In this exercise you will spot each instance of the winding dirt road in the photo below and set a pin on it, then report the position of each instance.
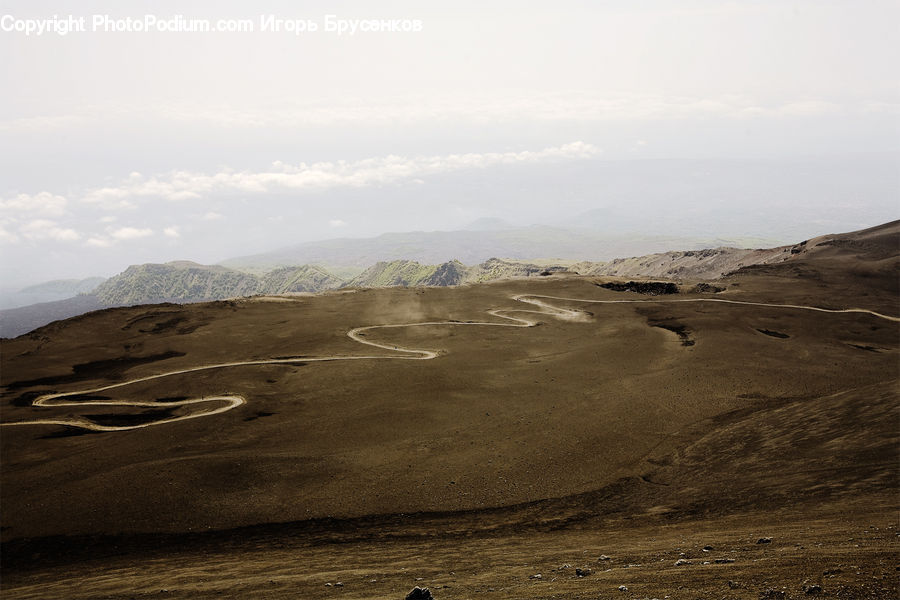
(222, 403)
(722, 300)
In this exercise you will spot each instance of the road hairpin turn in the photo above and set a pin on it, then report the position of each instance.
(225, 402)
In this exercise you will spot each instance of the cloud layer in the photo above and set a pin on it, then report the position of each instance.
(187, 185)
(24, 216)
(44, 204)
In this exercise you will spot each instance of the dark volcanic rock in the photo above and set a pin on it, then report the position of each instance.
(812, 589)
(419, 593)
(650, 288)
(707, 288)
(449, 273)
(775, 334)
(683, 332)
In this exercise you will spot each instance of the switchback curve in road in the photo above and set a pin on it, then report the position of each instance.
(223, 403)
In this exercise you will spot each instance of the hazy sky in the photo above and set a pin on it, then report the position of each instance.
(126, 147)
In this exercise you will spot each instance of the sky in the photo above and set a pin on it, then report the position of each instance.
(772, 119)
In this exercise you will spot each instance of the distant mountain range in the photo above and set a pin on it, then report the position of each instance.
(411, 273)
(58, 289)
(264, 274)
(180, 281)
(483, 239)
(184, 281)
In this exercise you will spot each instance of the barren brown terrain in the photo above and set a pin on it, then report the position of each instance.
(740, 443)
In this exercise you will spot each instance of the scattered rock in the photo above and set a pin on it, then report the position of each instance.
(812, 589)
(705, 288)
(650, 288)
(328, 584)
(772, 595)
(764, 540)
(708, 548)
(582, 572)
(622, 588)
(682, 561)
(419, 593)
(535, 576)
(338, 584)
(733, 585)
(681, 331)
(724, 561)
(603, 557)
(774, 334)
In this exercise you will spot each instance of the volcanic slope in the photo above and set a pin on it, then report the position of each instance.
(642, 430)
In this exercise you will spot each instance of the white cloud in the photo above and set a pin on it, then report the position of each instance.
(637, 146)
(130, 233)
(7, 237)
(279, 178)
(44, 229)
(43, 204)
(384, 170)
(97, 242)
(122, 234)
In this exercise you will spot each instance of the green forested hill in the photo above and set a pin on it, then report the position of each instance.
(191, 282)
(305, 278)
(180, 281)
(411, 273)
